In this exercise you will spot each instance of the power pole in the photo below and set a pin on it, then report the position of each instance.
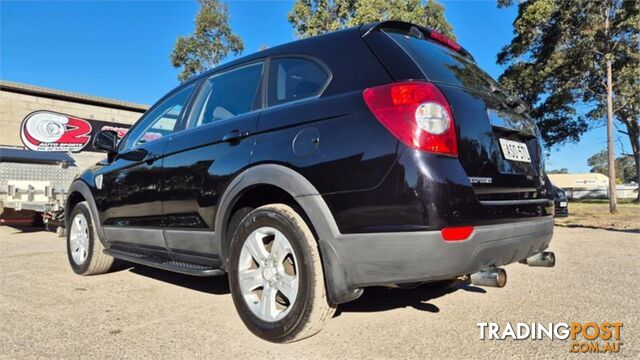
(613, 198)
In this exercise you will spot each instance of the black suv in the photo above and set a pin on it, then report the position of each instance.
(375, 155)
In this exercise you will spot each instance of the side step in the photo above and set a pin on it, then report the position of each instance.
(163, 263)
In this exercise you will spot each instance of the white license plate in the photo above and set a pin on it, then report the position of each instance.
(563, 204)
(515, 150)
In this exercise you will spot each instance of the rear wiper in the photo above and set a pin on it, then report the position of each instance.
(509, 101)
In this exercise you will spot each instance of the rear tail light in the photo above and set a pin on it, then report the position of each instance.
(417, 113)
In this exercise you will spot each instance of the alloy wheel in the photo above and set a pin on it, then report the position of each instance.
(79, 239)
(268, 274)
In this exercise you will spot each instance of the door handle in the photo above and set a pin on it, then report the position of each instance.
(151, 157)
(235, 136)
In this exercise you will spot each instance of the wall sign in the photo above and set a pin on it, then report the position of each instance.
(51, 131)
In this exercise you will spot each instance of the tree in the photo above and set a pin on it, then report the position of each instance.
(576, 61)
(315, 17)
(209, 44)
(625, 168)
(558, 171)
(599, 162)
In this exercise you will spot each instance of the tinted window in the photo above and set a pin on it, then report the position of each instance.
(160, 121)
(228, 94)
(440, 64)
(293, 79)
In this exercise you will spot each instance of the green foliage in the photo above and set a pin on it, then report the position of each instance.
(625, 169)
(211, 41)
(558, 171)
(598, 162)
(557, 63)
(315, 17)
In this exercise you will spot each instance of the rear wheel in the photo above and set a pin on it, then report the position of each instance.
(84, 249)
(275, 275)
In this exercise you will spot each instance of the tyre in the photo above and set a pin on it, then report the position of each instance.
(276, 277)
(84, 249)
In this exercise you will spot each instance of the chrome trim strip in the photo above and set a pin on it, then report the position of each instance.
(514, 202)
(504, 190)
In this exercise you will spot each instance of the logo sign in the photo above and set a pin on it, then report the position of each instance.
(590, 337)
(47, 131)
(51, 131)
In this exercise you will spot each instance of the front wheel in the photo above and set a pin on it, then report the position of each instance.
(276, 277)
(84, 249)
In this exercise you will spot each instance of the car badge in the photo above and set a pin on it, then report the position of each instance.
(480, 180)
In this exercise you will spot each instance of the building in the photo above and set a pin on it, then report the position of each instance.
(46, 139)
(590, 186)
(588, 180)
(19, 101)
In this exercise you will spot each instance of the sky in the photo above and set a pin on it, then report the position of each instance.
(120, 49)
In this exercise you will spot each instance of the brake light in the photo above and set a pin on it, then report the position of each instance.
(416, 113)
(456, 233)
(436, 36)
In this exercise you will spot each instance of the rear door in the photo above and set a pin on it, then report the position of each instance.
(202, 159)
(498, 143)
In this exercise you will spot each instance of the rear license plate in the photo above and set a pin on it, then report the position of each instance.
(515, 150)
(563, 204)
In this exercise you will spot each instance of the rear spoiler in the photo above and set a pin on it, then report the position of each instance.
(417, 31)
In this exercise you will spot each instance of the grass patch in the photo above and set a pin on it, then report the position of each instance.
(602, 201)
(595, 214)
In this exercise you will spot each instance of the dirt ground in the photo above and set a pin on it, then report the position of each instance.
(595, 214)
(137, 312)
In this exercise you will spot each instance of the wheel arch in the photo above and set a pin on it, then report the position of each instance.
(79, 191)
(310, 202)
(281, 179)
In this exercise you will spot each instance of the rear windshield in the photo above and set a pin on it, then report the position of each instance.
(442, 65)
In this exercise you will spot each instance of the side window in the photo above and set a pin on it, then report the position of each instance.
(228, 94)
(161, 121)
(292, 79)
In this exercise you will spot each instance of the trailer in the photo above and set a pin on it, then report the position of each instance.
(33, 184)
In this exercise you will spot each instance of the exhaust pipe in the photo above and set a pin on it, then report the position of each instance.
(494, 277)
(544, 259)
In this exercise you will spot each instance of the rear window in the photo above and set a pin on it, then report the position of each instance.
(292, 79)
(442, 65)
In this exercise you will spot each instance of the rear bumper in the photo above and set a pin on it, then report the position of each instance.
(360, 260)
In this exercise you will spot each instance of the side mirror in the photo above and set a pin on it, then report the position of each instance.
(106, 140)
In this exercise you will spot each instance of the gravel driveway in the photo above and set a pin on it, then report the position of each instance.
(138, 312)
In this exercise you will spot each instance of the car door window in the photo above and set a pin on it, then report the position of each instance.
(292, 79)
(228, 94)
(160, 121)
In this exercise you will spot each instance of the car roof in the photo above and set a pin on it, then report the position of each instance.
(298, 45)
(290, 48)
(283, 49)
